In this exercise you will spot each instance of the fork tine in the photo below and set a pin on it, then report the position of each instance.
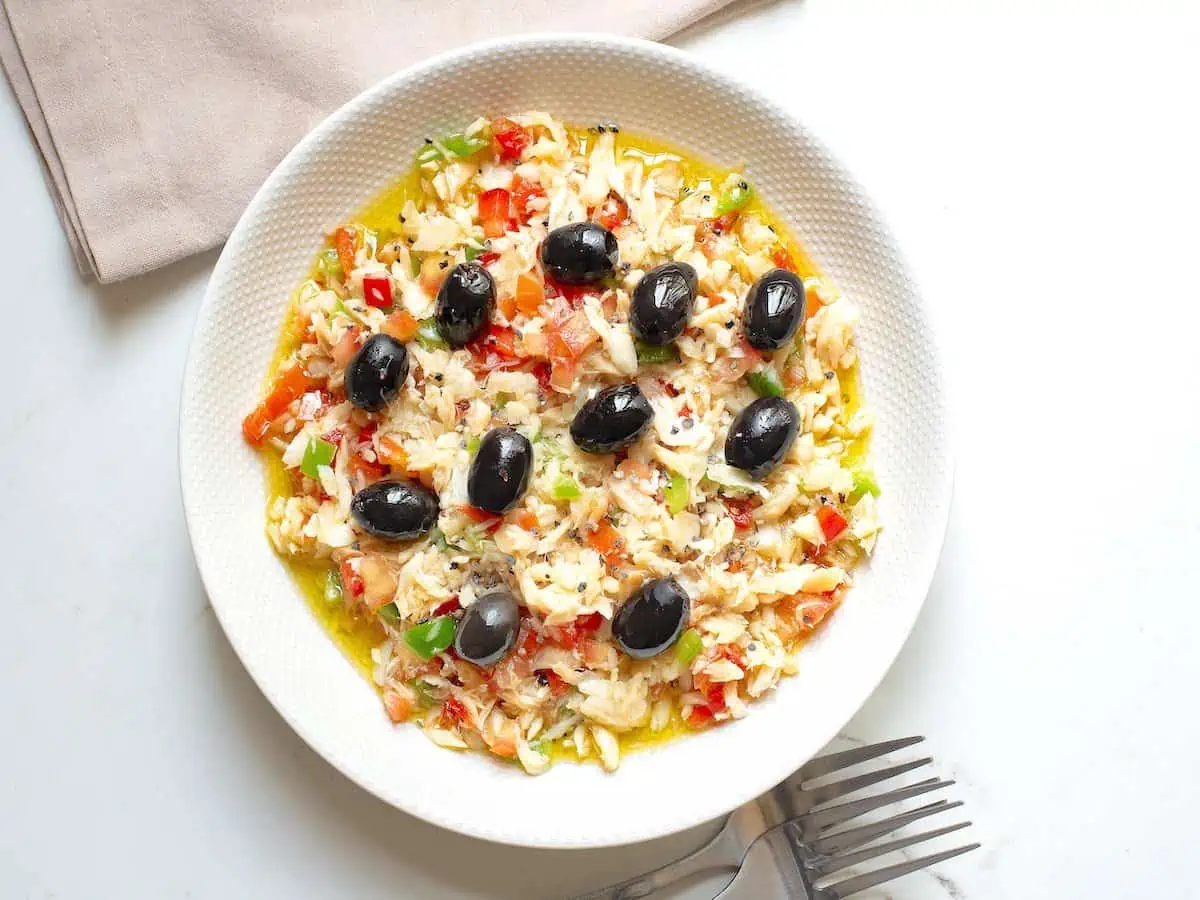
(836, 864)
(824, 765)
(828, 792)
(879, 876)
(856, 837)
(836, 815)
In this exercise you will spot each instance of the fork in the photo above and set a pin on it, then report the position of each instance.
(791, 802)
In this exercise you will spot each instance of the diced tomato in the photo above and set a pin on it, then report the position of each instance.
(290, 385)
(526, 519)
(699, 716)
(486, 259)
(377, 291)
(832, 522)
(508, 306)
(589, 623)
(574, 294)
(530, 644)
(554, 681)
(741, 510)
(367, 432)
(511, 140)
(444, 609)
(542, 371)
(685, 411)
(489, 521)
(453, 713)
(345, 242)
(810, 612)
(733, 653)
(398, 706)
(606, 541)
(782, 259)
(612, 212)
(352, 582)
(671, 390)
(812, 301)
(495, 212)
(401, 325)
(524, 191)
(370, 471)
(495, 349)
(715, 696)
(530, 294)
(392, 452)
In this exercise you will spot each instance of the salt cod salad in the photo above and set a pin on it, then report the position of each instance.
(574, 431)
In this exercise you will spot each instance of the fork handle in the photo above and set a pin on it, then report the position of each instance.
(721, 853)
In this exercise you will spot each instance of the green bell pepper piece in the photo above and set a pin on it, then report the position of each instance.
(429, 335)
(458, 146)
(333, 587)
(649, 354)
(689, 646)
(865, 483)
(319, 452)
(430, 638)
(676, 494)
(735, 198)
(765, 382)
(567, 488)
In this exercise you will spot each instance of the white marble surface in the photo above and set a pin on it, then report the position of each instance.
(1039, 162)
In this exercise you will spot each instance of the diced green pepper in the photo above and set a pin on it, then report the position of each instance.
(333, 587)
(457, 146)
(329, 265)
(689, 646)
(676, 494)
(503, 398)
(438, 539)
(414, 264)
(735, 198)
(567, 488)
(865, 483)
(765, 382)
(430, 638)
(319, 452)
(649, 354)
(429, 335)
(473, 251)
(390, 613)
(473, 444)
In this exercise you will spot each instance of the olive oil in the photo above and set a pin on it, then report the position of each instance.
(357, 636)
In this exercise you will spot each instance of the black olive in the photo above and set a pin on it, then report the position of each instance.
(488, 628)
(579, 253)
(613, 419)
(464, 303)
(662, 303)
(395, 510)
(377, 372)
(652, 619)
(761, 435)
(500, 470)
(774, 309)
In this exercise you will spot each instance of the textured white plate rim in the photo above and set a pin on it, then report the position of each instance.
(753, 781)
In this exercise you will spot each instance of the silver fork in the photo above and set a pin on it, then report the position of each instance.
(790, 800)
(791, 858)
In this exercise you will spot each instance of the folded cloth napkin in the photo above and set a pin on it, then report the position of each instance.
(158, 120)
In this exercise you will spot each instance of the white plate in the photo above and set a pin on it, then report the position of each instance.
(348, 159)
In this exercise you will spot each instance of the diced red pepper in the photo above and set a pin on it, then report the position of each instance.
(368, 431)
(495, 212)
(511, 140)
(782, 259)
(352, 582)
(377, 291)
(741, 510)
(671, 390)
(530, 644)
(542, 372)
(699, 716)
(524, 191)
(574, 294)
(832, 522)
(589, 623)
(444, 609)
(486, 259)
(489, 521)
(557, 686)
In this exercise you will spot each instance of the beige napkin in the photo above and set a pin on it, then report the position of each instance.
(158, 119)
